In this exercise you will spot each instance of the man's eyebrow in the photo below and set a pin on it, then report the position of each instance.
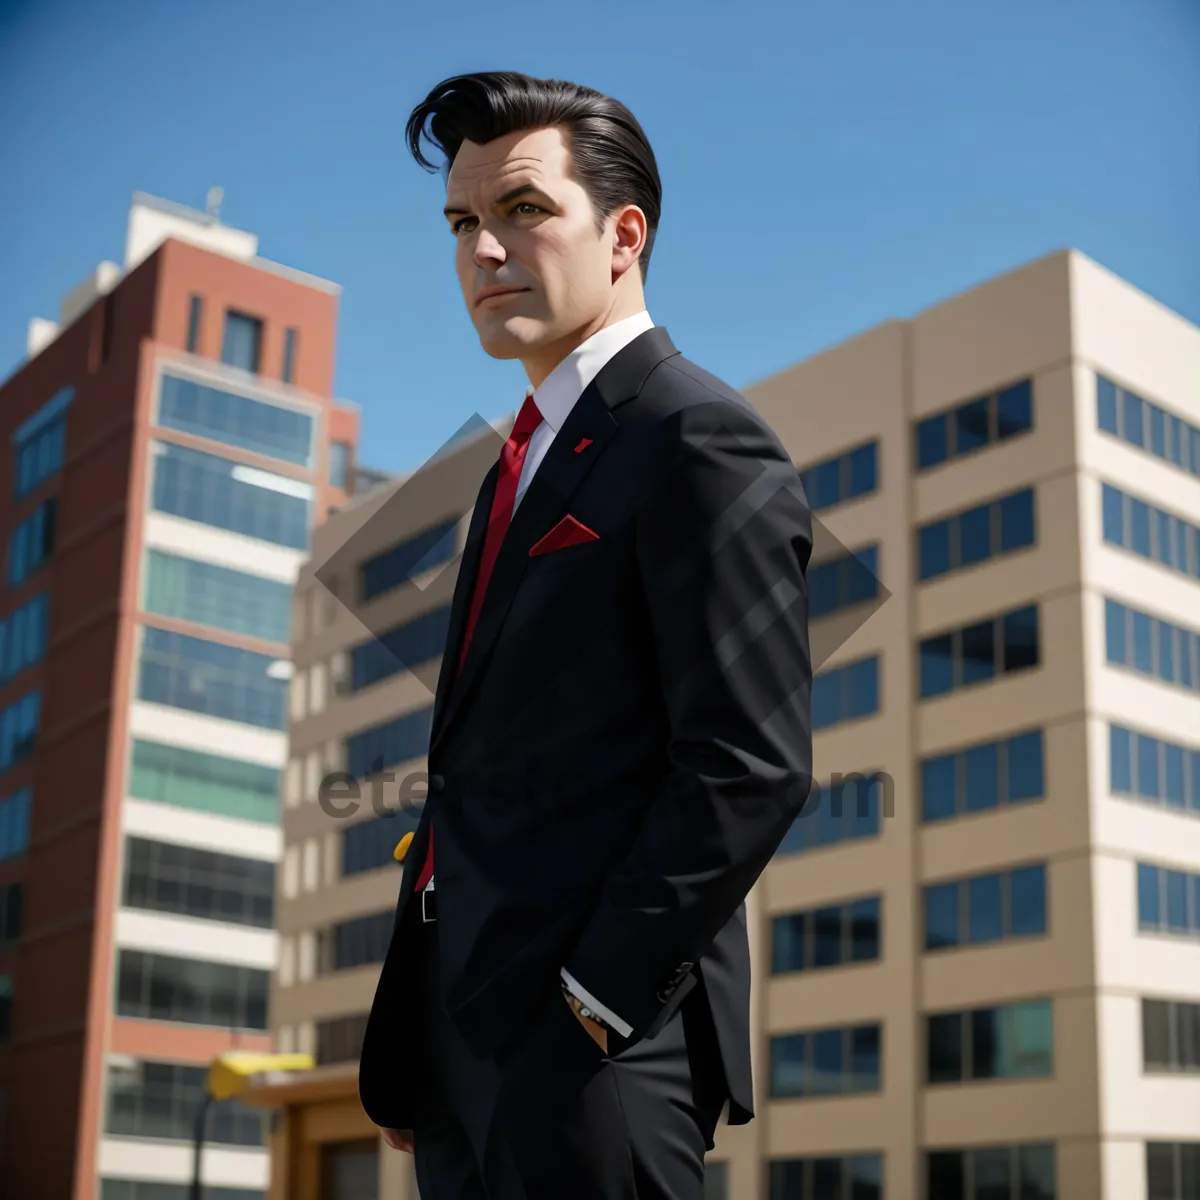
(451, 211)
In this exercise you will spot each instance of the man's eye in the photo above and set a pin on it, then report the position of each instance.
(457, 226)
(529, 205)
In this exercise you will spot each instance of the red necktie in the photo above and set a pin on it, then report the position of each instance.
(512, 456)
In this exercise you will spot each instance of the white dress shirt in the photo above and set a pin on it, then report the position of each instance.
(555, 398)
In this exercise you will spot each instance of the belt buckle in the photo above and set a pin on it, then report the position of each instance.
(428, 905)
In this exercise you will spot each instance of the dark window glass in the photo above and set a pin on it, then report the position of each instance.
(944, 1048)
(975, 535)
(978, 652)
(362, 941)
(933, 550)
(1014, 409)
(242, 343)
(195, 311)
(865, 929)
(1027, 902)
(1139, 527)
(937, 788)
(1120, 759)
(942, 916)
(945, 1175)
(288, 372)
(985, 916)
(1156, 1035)
(389, 744)
(404, 647)
(1133, 422)
(1021, 649)
(160, 987)
(1036, 1173)
(1106, 404)
(1158, 436)
(340, 1039)
(1025, 770)
(827, 483)
(716, 1180)
(932, 441)
(862, 679)
(407, 559)
(937, 665)
(1016, 521)
(827, 937)
(1115, 628)
(970, 426)
(789, 943)
(982, 777)
(1112, 505)
(1149, 897)
(864, 470)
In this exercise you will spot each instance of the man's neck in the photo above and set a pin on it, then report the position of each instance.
(539, 367)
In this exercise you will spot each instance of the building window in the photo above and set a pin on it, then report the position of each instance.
(1172, 1170)
(160, 987)
(350, 1170)
(40, 443)
(213, 679)
(843, 582)
(1149, 532)
(32, 542)
(1171, 1036)
(1139, 423)
(227, 495)
(195, 313)
(389, 744)
(6, 1002)
(1149, 646)
(849, 1177)
(10, 913)
(369, 845)
(1009, 1041)
(145, 1189)
(987, 1172)
(833, 935)
(359, 942)
(843, 477)
(209, 783)
(972, 426)
(1151, 769)
(402, 648)
(986, 908)
(242, 343)
(848, 808)
(340, 1039)
(402, 562)
(207, 594)
(1168, 901)
(978, 653)
(14, 823)
(288, 373)
(271, 430)
(339, 465)
(199, 883)
(845, 693)
(24, 635)
(19, 726)
(826, 1062)
(160, 1100)
(977, 534)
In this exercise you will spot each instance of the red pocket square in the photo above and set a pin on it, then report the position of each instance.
(568, 532)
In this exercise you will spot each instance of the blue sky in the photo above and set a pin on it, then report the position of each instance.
(826, 165)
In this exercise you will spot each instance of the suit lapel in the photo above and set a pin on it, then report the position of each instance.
(543, 505)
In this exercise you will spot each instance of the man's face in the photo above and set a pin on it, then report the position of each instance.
(526, 230)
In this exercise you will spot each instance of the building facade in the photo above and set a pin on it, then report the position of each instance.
(172, 441)
(978, 951)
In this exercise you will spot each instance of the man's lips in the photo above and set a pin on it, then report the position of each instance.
(490, 293)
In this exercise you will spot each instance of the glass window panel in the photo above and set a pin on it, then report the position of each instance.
(933, 550)
(1166, 651)
(1149, 897)
(982, 777)
(829, 1061)
(1115, 626)
(826, 699)
(1148, 783)
(1106, 404)
(1120, 759)
(1158, 435)
(1017, 521)
(1139, 527)
(975, 535)
(1014, 409)
(1177, 901)
(1173, 776)
(823, 590)
(1160, 1172)
(991, 1171)
(859, 576)
(1024, 763)
(865, 1044)
(827, 937)
(1133, 419)
(1027, 901)
(1021, 649)
(945, 1175)
(865, 929)
(862, 680)
(1156, 1035)
(932, 442)
(937, 665)
(937, 788)
(1036, 1173)
(242, 342)
(864, 473)
(1113, 514)
(789, 1070)
(788, 943)
(970, 426)
(942, 916)
(978, 652)
(1164, 538)
(827, 483)
(827, 1179)
(944, 1048)
(1143, 643)
(985, 910)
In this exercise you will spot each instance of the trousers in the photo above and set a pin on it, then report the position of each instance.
(554, 1117)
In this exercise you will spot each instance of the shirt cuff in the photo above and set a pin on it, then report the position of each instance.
(606, 1015)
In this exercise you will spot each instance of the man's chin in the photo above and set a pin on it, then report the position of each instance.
(515, 339)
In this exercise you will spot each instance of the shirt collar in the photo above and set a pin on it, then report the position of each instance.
(559, 391)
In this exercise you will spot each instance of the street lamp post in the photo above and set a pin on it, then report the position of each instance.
(229, 1076)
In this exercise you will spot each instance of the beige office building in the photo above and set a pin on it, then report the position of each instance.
(978, 975)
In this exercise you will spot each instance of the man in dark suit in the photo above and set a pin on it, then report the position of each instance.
(621, 734)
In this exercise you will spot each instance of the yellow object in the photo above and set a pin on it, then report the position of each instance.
(229, 1074)
(402, 847)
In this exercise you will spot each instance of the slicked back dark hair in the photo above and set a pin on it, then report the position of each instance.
(611, 155)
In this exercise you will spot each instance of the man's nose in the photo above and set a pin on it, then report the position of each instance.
(488, 249)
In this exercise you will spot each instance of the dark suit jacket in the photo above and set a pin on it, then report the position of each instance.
(630, 737)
